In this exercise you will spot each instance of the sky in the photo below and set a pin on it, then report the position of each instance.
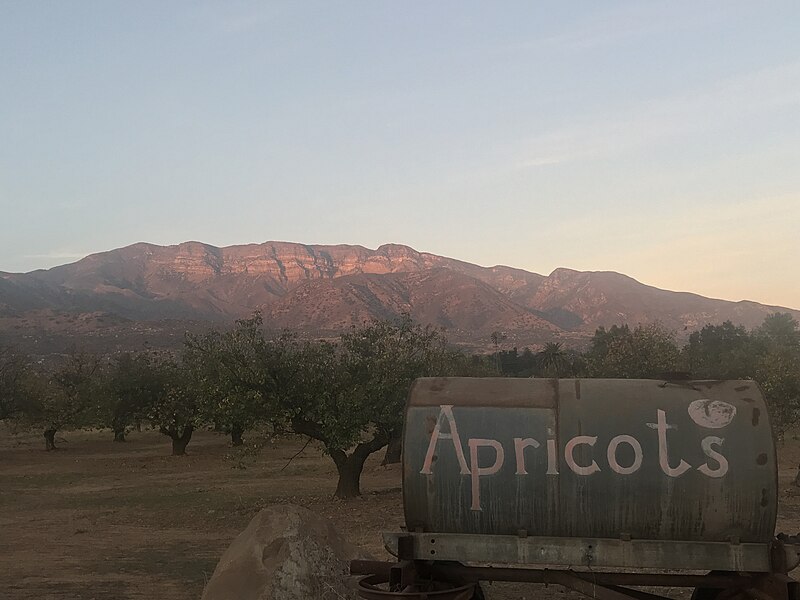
(656, 139)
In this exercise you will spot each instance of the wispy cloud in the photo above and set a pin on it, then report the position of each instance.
(618, 24)
(717, 105)
(613, 26)
(234, 19)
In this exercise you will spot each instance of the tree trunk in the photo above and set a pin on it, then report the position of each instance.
(119, 435)
(394, 451)
(179, 440)
(179, 443)
(236, 435)
(50, 439)
(350, 467)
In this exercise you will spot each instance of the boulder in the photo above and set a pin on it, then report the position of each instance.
(286, 553)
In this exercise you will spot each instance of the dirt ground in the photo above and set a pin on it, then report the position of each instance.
(99, 520)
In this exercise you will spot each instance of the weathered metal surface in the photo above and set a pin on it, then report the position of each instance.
(475, 391)
(448, 571)
(690, 461)
(587, 552)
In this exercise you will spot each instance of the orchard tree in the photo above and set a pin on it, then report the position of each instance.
(66, 398)
(14, 382)
(299, 386)
(320, 398)
(382, 360)
(235, 375)
(175, 406)
(132, 383)
(351, 396)
(347, 395)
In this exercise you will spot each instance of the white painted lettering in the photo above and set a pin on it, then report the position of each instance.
(663, 450)
(612, 454)
(477, 471)
(445, 412)
(552, 457)
(707, 444)
(519, 450)
(569, 451)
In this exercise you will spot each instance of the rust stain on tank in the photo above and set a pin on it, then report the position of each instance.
(430, 423)
(437, 385)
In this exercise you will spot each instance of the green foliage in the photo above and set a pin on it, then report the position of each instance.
(471, 365)
(770, 355)
(777, 368)
(554, 361)
(778, 374)
(646, 352)
(67, 398)
(173, 398)
(238, 373)
(64, 398)
(132, 384)
(513, 363)
(15, 382)
(779, 330)
(380, 362)
(349, 394)
(721, 352)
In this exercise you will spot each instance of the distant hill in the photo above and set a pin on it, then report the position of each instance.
(320, 290)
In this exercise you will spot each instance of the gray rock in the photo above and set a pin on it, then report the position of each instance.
(286, 553)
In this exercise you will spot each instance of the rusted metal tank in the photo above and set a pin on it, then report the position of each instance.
(689, 461)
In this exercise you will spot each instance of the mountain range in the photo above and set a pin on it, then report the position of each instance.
(320, 290)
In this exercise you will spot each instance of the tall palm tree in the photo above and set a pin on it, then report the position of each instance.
(552, 360)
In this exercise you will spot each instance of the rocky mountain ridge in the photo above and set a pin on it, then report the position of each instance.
(319, 289)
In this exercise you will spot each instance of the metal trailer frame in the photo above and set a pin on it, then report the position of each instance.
(449, 567)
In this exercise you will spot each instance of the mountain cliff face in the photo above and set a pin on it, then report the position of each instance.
(324, 289)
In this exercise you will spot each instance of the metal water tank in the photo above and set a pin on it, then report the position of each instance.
(594, 458)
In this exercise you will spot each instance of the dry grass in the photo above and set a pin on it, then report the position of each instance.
(104, 520)
(100, 520)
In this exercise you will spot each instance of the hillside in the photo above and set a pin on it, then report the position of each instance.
(321, 290)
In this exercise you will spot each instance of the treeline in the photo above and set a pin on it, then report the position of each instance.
(768, 354)
(349, 393)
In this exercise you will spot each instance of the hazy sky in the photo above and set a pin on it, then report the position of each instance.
(658, 139)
